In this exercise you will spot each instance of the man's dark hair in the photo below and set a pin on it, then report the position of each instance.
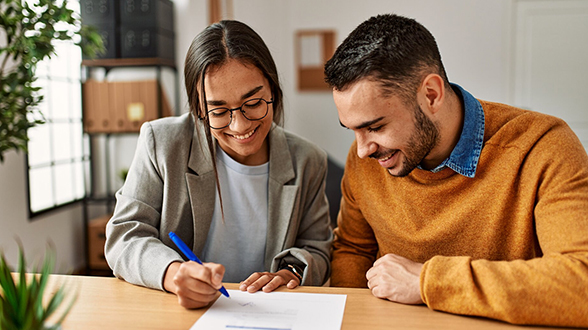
(394, 50)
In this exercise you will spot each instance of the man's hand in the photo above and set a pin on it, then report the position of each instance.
(395, 278)
(269, 281)
(195, 285)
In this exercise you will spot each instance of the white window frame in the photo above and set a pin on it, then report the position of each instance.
(58, 152)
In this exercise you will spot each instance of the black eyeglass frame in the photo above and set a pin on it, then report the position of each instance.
(243, 112)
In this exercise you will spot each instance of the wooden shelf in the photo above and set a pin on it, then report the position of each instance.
(156, 100)
(116, 62)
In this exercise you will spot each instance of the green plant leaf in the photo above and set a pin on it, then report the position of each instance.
(35, 309)
(44, 277)
(9, 303)
(54, 302)
(23, 297)
(67, 310)
(21, 306)
(7, 284)
(29, 31)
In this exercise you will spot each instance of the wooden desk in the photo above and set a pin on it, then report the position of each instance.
(110, 303)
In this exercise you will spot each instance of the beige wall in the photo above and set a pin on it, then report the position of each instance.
(474, 37)
(63, 228)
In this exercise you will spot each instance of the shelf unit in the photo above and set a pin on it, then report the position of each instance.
(94, 227)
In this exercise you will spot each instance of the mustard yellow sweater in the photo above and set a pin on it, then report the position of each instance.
(509, 244)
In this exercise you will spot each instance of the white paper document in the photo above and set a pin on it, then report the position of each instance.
(274, 311)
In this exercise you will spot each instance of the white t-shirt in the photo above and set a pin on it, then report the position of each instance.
(239, 243)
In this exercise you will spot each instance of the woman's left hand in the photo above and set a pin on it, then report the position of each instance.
(269, 281)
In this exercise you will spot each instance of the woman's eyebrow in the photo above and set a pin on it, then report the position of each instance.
(252, 92)
(244, 96)
(215, 102)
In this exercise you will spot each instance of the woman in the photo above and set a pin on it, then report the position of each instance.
(268, 227)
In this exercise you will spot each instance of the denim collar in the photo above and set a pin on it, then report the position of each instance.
(464, 157)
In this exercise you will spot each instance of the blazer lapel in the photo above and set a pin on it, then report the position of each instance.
(281, 197)
(201, 187)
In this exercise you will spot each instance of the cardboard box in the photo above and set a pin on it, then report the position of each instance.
(96, 107)
(96, 241)
(121, 107)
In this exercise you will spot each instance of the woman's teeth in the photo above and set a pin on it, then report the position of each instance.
(243, 137)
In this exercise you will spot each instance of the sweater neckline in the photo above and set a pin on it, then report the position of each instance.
(424, 175)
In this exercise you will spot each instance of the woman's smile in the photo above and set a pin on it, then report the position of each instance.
(244, 137)
(228, 86)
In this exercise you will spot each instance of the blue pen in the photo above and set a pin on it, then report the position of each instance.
(190, 255)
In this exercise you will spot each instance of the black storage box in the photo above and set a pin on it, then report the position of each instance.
(132, 28)
(158, 14)
(103, 15)
(109, 35)
(99, 12)
(146, 42)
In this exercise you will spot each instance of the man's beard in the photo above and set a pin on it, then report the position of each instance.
(423, 139)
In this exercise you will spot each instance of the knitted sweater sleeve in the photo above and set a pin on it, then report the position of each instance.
(355, 246)
(551, 289)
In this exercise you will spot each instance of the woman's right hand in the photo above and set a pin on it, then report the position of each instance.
(195, 285)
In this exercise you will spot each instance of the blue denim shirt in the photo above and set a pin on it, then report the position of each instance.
(464, 157)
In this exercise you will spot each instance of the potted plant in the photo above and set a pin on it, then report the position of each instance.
(27, 30)
(21, 301)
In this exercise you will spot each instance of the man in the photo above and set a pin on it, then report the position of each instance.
(468, 206)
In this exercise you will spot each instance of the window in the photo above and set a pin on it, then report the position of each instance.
(58, 152)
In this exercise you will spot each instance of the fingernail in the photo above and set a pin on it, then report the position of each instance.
(243, 286)
(217, 278)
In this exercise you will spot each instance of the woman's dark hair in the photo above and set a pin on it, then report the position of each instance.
(214, 46)
(217, 44)
(396, 51)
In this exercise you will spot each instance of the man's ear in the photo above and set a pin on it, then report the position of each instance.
(432, 93)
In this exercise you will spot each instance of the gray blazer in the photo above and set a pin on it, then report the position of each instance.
(171, 186)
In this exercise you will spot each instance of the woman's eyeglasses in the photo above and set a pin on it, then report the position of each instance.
(253, 109)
